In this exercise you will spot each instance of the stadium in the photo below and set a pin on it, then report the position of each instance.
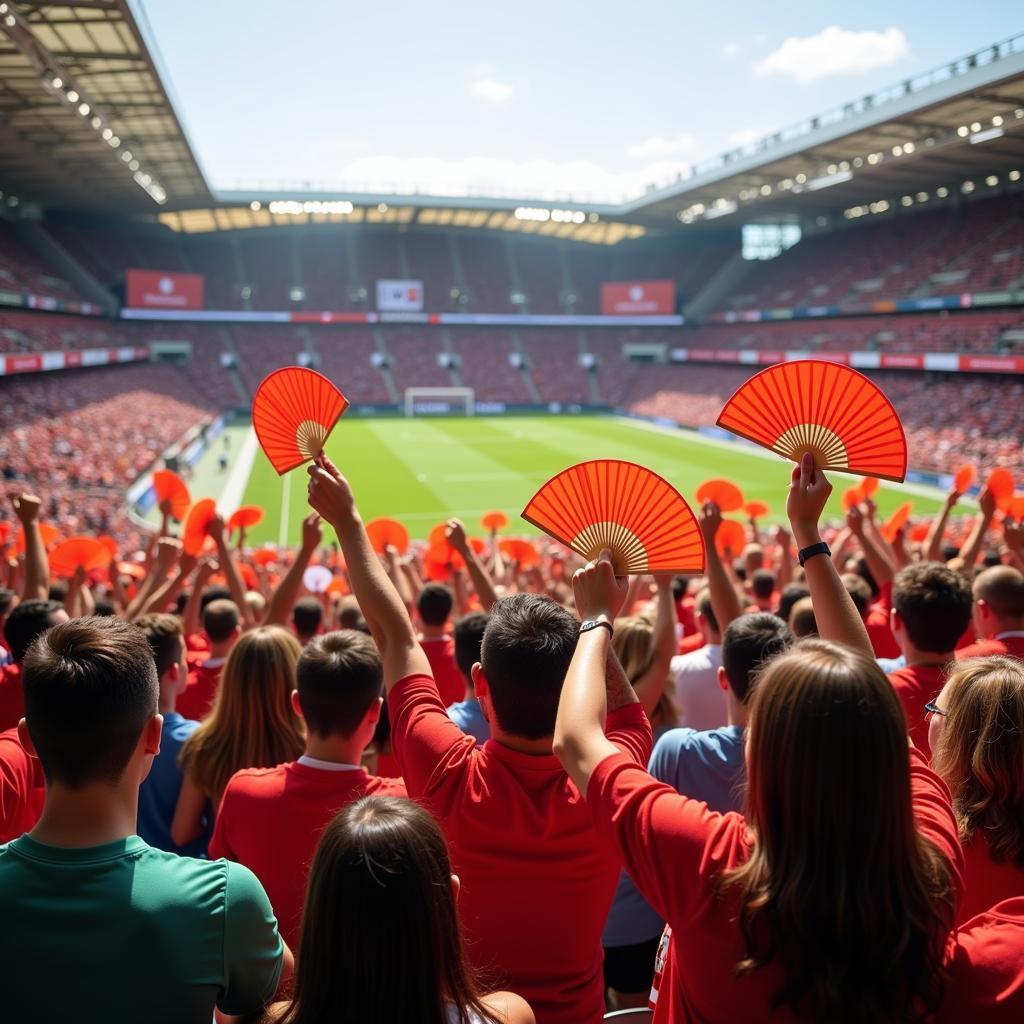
(485, 342)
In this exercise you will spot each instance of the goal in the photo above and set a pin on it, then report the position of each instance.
(439, 401)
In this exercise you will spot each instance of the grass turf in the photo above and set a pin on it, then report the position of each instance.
(423, 470)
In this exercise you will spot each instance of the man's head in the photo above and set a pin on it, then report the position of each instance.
(338, 685)
(29, 620)
(859, 591)
(762, 585)
(164, 633)
(221, 622)
(802, 622)
(211, 594)
(753, 559)
(791, 593)
(998, 601)
(91, 702)
(6, 600)
(307, 617)
(469, 637)
(931, 607)
(527, 646)
(748, 644)
(434, 604)
(706, 621)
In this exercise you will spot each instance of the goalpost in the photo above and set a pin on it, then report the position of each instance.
(439, 401)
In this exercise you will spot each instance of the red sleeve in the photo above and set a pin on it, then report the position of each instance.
(671, 845)
(219, 845)
(19, 806)
(933, 810)
(629, 729)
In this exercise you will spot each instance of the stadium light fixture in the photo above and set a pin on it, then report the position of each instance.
(897, 151)
(255, 206)
(84, 109)
(1014, 175)
(986, 136)
(922, 197)
(967, 187)
(908, 148)
(828, 180)
(992, 180)
(97, 122)
(721, 208)
(997, 121)
(72, 96)
(57, 82)
(942, 192)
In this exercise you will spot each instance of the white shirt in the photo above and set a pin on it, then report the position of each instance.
(699, 698)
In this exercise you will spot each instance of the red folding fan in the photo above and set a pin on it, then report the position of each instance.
(1015, 510)
(835, 413)
(730, 538)
(244, 517)
(868, 486)
(265, 556)
(518, 550)
(49, 533)
(384, 533)
(609, 503)
(964, 478)
(724, 493)
(197, 526)
(168, 486)
(756, 509)
(851, 496)
(897, 521)
(78, 553)
(294, 411)
(494, 521)
(1000, 484)
(109, 543)
(438, 535)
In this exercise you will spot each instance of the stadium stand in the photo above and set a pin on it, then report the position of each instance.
(22, 271)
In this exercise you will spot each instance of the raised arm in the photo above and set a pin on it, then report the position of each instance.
(229, 566)
(785, 572)
(37, 565)
(282, 601)
(651, 683)
(192, 621)
(725, 602)
(878, 562)
(167, 552)
(932, 547)
(834, 611)
(399, 578)
(168, 591)
(482, 582)
(385, 614)
(972, 546)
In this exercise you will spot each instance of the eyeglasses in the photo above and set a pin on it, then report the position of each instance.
(932, 708)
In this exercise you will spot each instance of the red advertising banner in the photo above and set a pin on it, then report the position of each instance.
(159, 289)
(993, 364)
(638, 298)
(902, 361)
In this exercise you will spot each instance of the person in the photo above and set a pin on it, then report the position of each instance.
(7, 601)
(778, 911)
(468, 637)
(27, 621)
(802, 622)
(382, 893)
(434, 607)
(931, 607)
(307, 618)
(158, 795)
(222, 626)
(537, 880)
(252, 725)
(977, 735)
(98, 925)
(998, 613)
(270, 818)
(700, 701)
(22, 788)
(763, 589)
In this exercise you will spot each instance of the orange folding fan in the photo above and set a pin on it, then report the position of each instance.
(294, 411)
(609, 503)
(109, 543)
(438, 535)
(851, 496)
(265, 556)
(521, 551)
(730, 538)
(964, 478)
(1015, 510)
(756, 509)
(835, 413)
(494, 520)
(724, 493)
(1000, 485)
(197, 526)
(897, 521)
(384, 533)
(168, 486)
(77, 553)
(244, 517)
(868, 486)
(48, 532)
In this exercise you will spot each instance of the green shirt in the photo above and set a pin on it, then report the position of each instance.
(126, 933)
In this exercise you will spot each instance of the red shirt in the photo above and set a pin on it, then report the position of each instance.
(22, 787)
(537, 880)
(675, 849)
(12, 697)
(451, 683)
(986, 969)
(915, 685)
(876, 622)
(986, 882)
(197, 699)
(270, 820)
(1011, 643)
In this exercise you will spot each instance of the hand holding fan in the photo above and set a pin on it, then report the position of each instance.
(77, 553)
(294, 411)
(756, 509)
(494, 521)
(897, 521)
(723, 493)
(837, 414)
(964, 478)
(1000, 484)
(244, 517)
(168, 486)
(385, 533)
(609, 503)
(521, 551)
(197, 526)
(730, 538)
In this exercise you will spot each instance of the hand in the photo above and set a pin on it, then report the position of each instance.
(207, 568)
(311, 532)
(987, 503)
(218, 530)
(165, 508)
(455, 534)
(855, 521)
(710, 521)
(783, 539)
(809, 490)
(1013, 534)
(26, 507)
(168, 551)
(664, 581)
(391, 554)
(870, 509)
(597, 589)
(952, 498)
(186, 563)
(329, 492)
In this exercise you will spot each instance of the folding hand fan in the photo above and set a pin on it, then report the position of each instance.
(868, 486)
(724, 493)
(47, 532)
(337, 586)
(244, 517)
(168, 486)
(1000, 485)
(77, 553)
(494, 521)
(1015, 510)
(851, 497)
(521, 551)
(294, 411)
(730, 538)
(827, 409)
(609, 503)
(964, 478)
(110, 544)
(897, 521)
(385, 533)
(265, 556)
(317, 578)
(197, 526)
(440, 560)
(756, 509)
(5, 531)
(437, 535)
(918, 532)
(249, 577)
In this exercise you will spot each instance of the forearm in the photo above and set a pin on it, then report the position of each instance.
(725, 602)
(459, 592)
(163, 595)
(972, 546)
(482, 582)
(229, 566)
(937, 530)
(37, 566)
(282, 601)
(400, 580)
(879, 564)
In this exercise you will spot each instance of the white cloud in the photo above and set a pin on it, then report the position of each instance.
(745, 136)
(657, 147)
(834, 51)
(492, 89)
(731, 50)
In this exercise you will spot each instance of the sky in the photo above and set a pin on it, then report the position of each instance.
(591, 99)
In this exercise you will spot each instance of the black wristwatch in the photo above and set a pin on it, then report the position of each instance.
(589, 624)
(821, 548)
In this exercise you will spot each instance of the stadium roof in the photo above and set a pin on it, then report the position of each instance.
(85, 119)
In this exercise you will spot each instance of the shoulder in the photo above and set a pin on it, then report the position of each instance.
(674, 741)
(378, 785)
(250, 781)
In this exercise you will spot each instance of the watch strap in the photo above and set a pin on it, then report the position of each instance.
(821, 548)
(589, 624)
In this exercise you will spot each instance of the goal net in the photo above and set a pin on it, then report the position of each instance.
(439, 401)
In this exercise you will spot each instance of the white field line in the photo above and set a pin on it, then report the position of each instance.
(286, 506)
(234, 487)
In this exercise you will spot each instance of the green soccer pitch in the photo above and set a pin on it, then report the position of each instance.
(425, 469)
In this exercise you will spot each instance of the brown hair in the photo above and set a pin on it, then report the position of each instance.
(1002, 589)
(631, 643)
(220, 619)
(802, 622)
(839, 889)
(934, 603)
(980, 753)
(380, 895)
(252, 724)
(164, 633)
(338, 676)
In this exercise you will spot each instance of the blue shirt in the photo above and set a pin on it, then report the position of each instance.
(706, 766)
(892, 664)
(158, 795)
(469, 717)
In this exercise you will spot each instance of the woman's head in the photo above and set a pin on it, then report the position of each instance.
(632, 645)
(977, 741)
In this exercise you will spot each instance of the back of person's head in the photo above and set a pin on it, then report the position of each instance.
(865, 573)
(28, 620)
(934, 605)
(104, 606)
(859, 591)
(90, 690)
(221, 620)
(791, 593)
(468, 636)
(252, 723)
(339, 677)
(802, 622)
(164, 633)
(528, 644)
(434, 604)
(706, 611)
(307, 616)
(980, 752)
(58, 591)
(1002, 590)
(839, 889)
(256, 603)
(350, 615)
(380, 892)
(211, 594)
(762, 584)
(632, 643)
(753, 558)
(749, 643)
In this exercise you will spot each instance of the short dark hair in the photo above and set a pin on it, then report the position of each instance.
(90, 688)
(338, 676)
(104, 606)
(528, 644)
(1002, 589)
(434, 604)
(469, 638)
(748, 644)
(934, 603)
(26, 622)
(791, 593)
(859, 591)
(762, 583)
(705, 607)
(164, 633)
(220, 619)
(6, 600)
(350, 615)
(58, 590)
(307, 615)
(211, 594)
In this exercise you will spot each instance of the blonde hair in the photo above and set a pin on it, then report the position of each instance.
(980, 753)
(632, 643)
(252, 724)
